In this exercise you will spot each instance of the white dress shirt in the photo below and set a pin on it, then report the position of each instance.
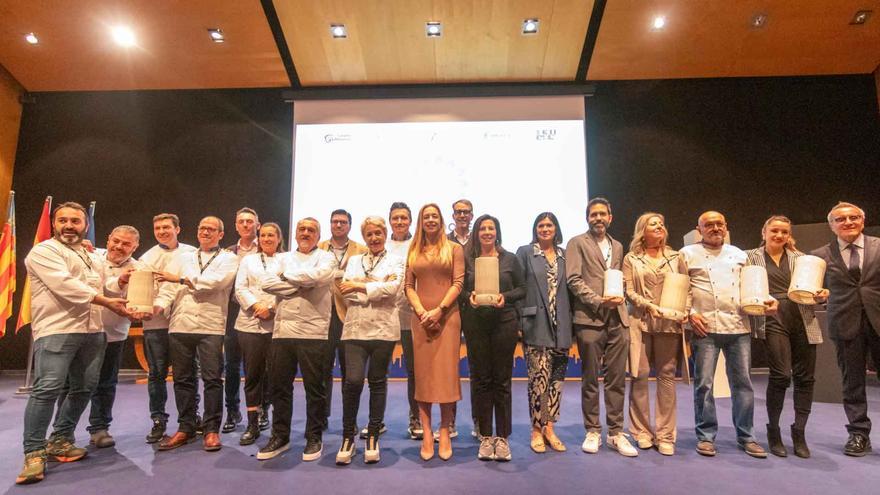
(715, 281)
(401, 250)
(63, 284)
(157, 259)
(201, 310)
(303, 307)
(374, 315)
(846, 253)
(249, 291)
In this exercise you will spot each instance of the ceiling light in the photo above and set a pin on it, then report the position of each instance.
(530, 26)
(31, 38)
(216, 35)
(123, 36)
(433, 29)
(338, 31)
(759, 20)
(861, 17)
(659, 22)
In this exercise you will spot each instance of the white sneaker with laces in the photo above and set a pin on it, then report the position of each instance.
(592, 442)
(621, 444)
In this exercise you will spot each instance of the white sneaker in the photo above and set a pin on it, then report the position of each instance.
(621, 444)
(346, 452)
(592, 442)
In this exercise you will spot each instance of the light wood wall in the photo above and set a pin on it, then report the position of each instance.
(10, 122)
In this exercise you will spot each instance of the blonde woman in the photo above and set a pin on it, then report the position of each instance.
(655, 340)
(434, 278)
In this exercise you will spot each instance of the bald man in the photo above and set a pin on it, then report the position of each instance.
(718, 326)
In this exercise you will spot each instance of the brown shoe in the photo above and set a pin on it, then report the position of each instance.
(212, 442)
(178, 440)
(706, 448)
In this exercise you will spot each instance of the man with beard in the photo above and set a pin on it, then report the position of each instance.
(299, 339)
(719, 325)
(198, 305)
(601, 327)
(67, 290)
(247, 224)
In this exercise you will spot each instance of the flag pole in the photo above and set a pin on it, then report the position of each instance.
(28, 376)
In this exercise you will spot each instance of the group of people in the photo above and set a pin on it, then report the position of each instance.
(283, 312)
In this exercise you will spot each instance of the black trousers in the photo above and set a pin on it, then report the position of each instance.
(491, 340)
(232, 359)
(334, 347)
(791, 357)
(288, 355)
(372, 356)
(255, 351)
(852, 357)
(185, 347)
(406, 341)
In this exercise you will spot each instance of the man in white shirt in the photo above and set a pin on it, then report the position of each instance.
(68, 285)
(300, 338)
(166, 229)
(247, 224)
(198, 307)
(719, 325)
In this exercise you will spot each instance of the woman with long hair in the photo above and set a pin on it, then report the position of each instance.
(654, 339)
(434, 278)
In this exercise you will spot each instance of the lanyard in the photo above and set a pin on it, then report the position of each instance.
(204, 267)
(333, 252)
(375, 260)
(83, 257)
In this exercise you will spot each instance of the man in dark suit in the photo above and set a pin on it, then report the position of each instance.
(853, 279)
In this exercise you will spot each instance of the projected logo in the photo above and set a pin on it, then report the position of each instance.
(332, 138)
(496, 135)
(545, 135)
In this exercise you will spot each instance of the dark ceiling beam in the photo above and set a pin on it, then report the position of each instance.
(281, 42)
(590, 40)
(438, 91)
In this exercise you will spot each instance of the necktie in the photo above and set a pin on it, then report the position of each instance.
(854, 259)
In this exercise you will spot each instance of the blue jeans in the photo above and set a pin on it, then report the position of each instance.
(158, 354)
(737, 350)
(101, 411)
(73, 358)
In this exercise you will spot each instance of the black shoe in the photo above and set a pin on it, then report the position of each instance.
(200, 427)
(157, 432)
(264, 420)
(312, 452)
(275, 447)
(252, 433)
(233, 418)
(365, 431)
(800, 443)
(858, 445)
(774, 441)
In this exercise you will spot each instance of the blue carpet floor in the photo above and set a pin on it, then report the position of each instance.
(132, 467)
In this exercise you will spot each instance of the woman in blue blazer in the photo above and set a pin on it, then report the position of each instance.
(546, 326)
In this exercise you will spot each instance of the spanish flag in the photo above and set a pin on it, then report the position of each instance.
(44, 232)
(7, 264)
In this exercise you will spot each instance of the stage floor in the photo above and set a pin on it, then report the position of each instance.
(132, 467)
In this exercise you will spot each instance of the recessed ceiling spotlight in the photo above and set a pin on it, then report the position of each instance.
(338, 31)
(861, 17)
(216, 35)
(123, 36)
(659, 22)
(530, 26)
(433, 29)
(31, 38)
(759, 21)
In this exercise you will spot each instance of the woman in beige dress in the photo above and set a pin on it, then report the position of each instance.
(656, 340)
(434, 278)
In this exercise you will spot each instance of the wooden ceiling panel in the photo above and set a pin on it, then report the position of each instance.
(173, 50)
(714, 38)
(386, 44)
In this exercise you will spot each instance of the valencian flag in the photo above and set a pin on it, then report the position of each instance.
(44, 232)
(7, 264)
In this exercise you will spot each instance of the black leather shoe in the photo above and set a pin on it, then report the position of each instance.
(200, 427)
(157, 432)
(264, 420)
(774, 441)
(800, 443)
(233, 418)
(252, 433)
(858, 445)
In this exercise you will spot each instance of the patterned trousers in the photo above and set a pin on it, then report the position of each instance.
(546, 374)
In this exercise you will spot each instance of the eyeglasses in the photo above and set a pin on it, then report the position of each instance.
(462, 212)
(339, 222)
(208, 229)
(851, 218)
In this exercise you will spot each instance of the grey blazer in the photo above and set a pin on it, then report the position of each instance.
(759, 323)
(849, 297)
(585, 272)
(537, 327)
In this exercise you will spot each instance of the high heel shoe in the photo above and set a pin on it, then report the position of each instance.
(428, 454)
(445, 449)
